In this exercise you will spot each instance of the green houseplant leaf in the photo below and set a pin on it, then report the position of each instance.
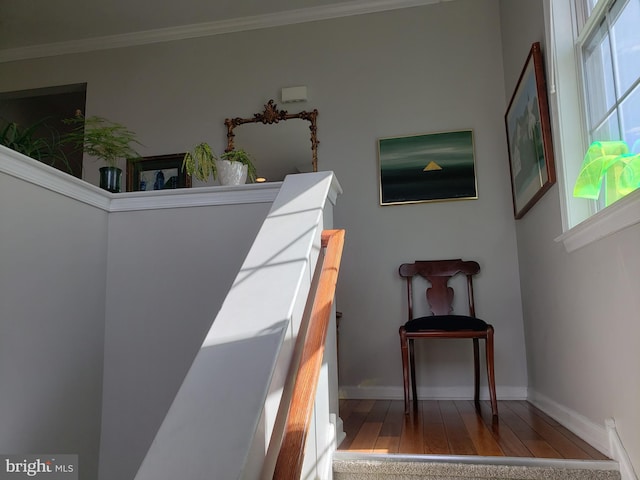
(201, 162)
(101, 138)
(31, 142)
(239, 155)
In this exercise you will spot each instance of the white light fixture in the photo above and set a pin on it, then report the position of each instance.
(294, 94)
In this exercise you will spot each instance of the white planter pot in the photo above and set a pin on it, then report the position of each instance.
(231, 173)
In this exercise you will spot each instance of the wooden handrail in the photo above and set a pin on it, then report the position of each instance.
(291, 455)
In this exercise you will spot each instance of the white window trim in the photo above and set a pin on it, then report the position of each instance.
(618, 216)
(581, 226)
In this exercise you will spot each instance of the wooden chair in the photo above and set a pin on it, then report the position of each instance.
(442, 323)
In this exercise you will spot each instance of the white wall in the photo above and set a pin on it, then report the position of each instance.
(419, 70)
(580, 308)
(52, 298)
(229, 404)
(105, 300)
(165, 286)
(435, 69)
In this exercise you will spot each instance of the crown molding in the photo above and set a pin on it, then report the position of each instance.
(270, 20)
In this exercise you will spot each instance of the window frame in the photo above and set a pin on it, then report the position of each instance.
(582, 223)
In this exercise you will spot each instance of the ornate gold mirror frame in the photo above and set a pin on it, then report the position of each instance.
(272, 115)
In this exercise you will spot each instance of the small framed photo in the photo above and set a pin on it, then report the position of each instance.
(529, 136)
(161, 172)
(427, 168)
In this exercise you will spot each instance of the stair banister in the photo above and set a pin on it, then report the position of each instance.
(291, 456)
(222, 419)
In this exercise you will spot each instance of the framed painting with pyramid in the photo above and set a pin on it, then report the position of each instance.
(427, 168)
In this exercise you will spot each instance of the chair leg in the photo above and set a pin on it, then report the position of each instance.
(476, 372)
(490, 373)
(412, 363)
(405, 368)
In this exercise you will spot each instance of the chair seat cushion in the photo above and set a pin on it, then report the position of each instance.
(449, 323)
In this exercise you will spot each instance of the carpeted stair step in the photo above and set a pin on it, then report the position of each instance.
(354, 466)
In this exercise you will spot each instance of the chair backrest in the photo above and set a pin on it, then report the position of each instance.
(438, 273)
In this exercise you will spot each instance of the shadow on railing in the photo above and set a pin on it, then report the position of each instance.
(291, 455)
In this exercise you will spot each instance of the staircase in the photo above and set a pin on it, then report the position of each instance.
(354, 466)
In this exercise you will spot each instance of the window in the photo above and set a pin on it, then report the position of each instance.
(610, 55)
(594, 49)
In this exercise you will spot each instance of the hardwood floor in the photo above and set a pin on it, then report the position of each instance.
(448, 427)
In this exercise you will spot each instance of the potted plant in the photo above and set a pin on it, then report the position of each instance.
(201, 162)
(233, 167)
(32, 142)
(106, 140)
(234, 161)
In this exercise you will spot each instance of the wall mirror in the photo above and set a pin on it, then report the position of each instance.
(279, 142)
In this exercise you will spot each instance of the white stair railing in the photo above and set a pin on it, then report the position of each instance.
(223, 416)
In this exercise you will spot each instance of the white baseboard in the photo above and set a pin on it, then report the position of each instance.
(373, 392)
(604, 439)
(592, 433)
(338, 426)
(618, 452)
